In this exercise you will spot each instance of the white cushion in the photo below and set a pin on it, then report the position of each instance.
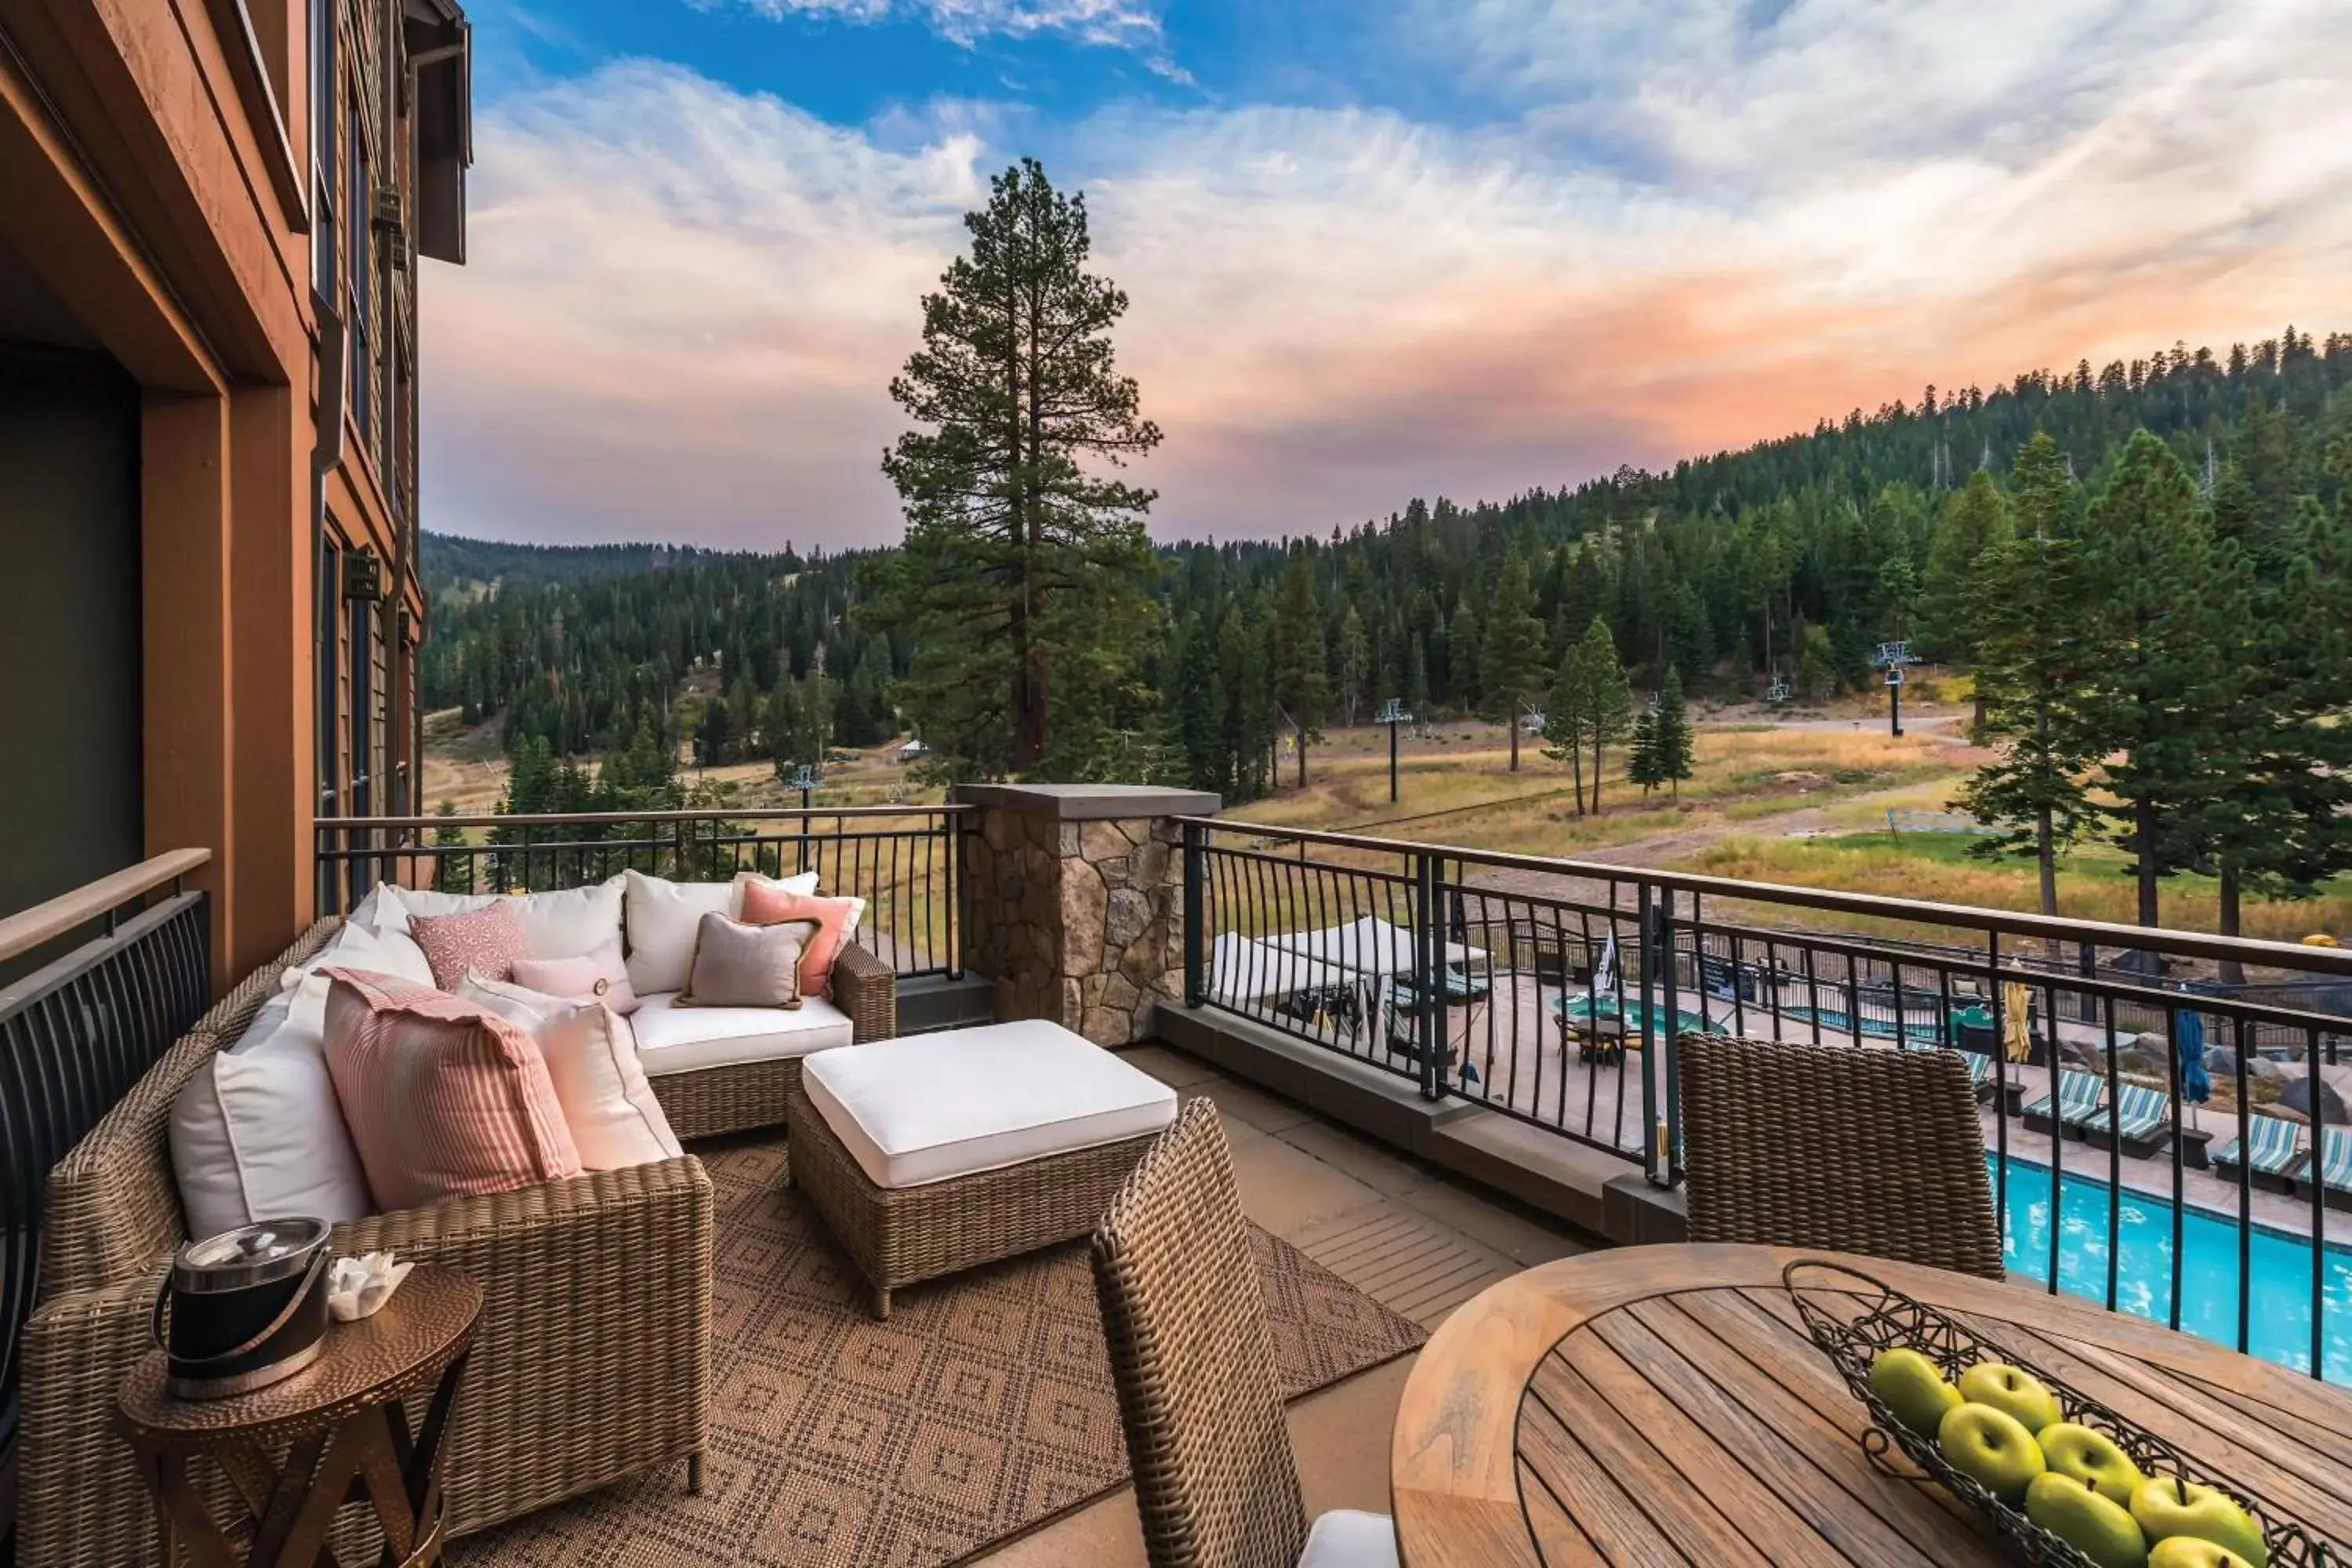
(592, 1059)
(258, 1133)
(671, 1039)
(571, 922)
(1345, 1538)
(928, 1108)
(665, 917)
(374, 950)
(388, 907)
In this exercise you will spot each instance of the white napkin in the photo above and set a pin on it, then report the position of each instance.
(358, 1287)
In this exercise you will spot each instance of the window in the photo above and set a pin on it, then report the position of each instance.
(357, 196)
(322, 149)
(363, 736)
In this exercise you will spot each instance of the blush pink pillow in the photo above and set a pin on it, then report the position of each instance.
(484, 941)
(764, 904)
(602, 976)
(443, 1099)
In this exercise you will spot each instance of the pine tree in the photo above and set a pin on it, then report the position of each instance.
(1642, 756)
(451, 873)
(1253, 724)
(1672, 747)
(1299, 683)
(1462, 657)
(1416, 676)
(2158, 688)
(1590, 708)
(1973, 520)
(2025, 605)
(1354, 660)
(1023, 583)
(1196, 713)
(1510, 664)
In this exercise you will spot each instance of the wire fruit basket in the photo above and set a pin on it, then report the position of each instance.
(1874, 1317)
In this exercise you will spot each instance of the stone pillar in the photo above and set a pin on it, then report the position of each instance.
(1074, 902)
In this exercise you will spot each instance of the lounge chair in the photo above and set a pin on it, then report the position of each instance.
(1980, 1074)
(2336, 1166)
(2143, 1120)
(2275, 1160)
(2078, 1102)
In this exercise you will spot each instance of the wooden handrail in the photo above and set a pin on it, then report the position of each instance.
(26, 931)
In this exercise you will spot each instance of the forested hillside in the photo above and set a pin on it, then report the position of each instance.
(1795, 556)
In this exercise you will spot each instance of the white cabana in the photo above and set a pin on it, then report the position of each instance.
(1242, 971)
(1369, 946)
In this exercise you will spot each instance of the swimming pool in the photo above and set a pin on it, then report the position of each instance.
(2280, 1330)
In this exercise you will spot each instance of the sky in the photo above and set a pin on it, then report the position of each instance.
(1376, 249)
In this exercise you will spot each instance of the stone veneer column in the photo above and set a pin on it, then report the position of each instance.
(1074, 902)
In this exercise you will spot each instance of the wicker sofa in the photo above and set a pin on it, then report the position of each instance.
(593, 1362)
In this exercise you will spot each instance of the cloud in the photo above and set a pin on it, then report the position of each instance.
(685, 302)
(1120, 23)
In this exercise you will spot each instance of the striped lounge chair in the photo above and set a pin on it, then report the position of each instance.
(2275, 1156)
(2078, 1102)
(2143, 1120)
(1980, 1074)
(2336, 1166)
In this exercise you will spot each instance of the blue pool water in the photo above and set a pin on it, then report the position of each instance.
(2280, 1327)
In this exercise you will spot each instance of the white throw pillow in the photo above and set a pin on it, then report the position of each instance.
(393, 906)
(592, 1059)
(258, 1133)
(574, 922)
(378, 952)
(665, 918)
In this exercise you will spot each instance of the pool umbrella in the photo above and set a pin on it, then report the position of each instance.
(2016, 1027)
(2189, 1046)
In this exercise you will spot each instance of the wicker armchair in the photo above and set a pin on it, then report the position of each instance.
(593, 1360)
(1844, 1148)
(711, 1101)
(1194, 1360)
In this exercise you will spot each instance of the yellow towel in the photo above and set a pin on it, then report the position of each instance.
(2016, 1009)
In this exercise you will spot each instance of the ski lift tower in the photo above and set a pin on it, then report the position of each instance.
(1892, 657)
(805, 779)
(1393, 714)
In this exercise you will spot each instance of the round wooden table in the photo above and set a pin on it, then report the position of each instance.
(342, 1422)
(1659, 1404)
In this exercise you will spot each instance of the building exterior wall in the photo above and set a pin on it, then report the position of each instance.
(159, 176)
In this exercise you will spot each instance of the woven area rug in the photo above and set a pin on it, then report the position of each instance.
(981, 1410)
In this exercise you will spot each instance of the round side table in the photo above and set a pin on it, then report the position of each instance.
(341, 1423)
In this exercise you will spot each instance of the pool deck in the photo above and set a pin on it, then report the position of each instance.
(1513, 1041)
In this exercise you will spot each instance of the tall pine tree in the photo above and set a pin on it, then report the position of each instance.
(1022, 584)
(1298, 680)
(1510, 663)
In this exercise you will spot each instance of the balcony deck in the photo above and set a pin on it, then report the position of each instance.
(1419, 1242)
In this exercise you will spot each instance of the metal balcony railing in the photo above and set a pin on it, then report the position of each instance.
(1553, 990)
(75, 1035)
(902, 860)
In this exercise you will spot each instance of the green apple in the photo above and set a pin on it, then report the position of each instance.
(2168, 1506)
(2101, 1530)
(1912, 1389)
(2012, 1392)
(2189, 1551)
(1992, 1447)
(2092, 1457)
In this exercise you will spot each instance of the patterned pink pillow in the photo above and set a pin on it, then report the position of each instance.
(443, 1099)
(601, 977)
(484, 941)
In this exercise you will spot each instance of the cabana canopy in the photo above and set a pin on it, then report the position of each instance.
(1242, 971)
(1369, 946)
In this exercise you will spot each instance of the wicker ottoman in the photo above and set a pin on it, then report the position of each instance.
(936, 1154)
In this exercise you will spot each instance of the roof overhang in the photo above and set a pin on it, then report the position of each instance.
(440, 48)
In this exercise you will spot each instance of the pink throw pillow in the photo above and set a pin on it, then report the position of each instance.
(485, 942)
(443, 1099)
(602, 976)
(767, 905)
